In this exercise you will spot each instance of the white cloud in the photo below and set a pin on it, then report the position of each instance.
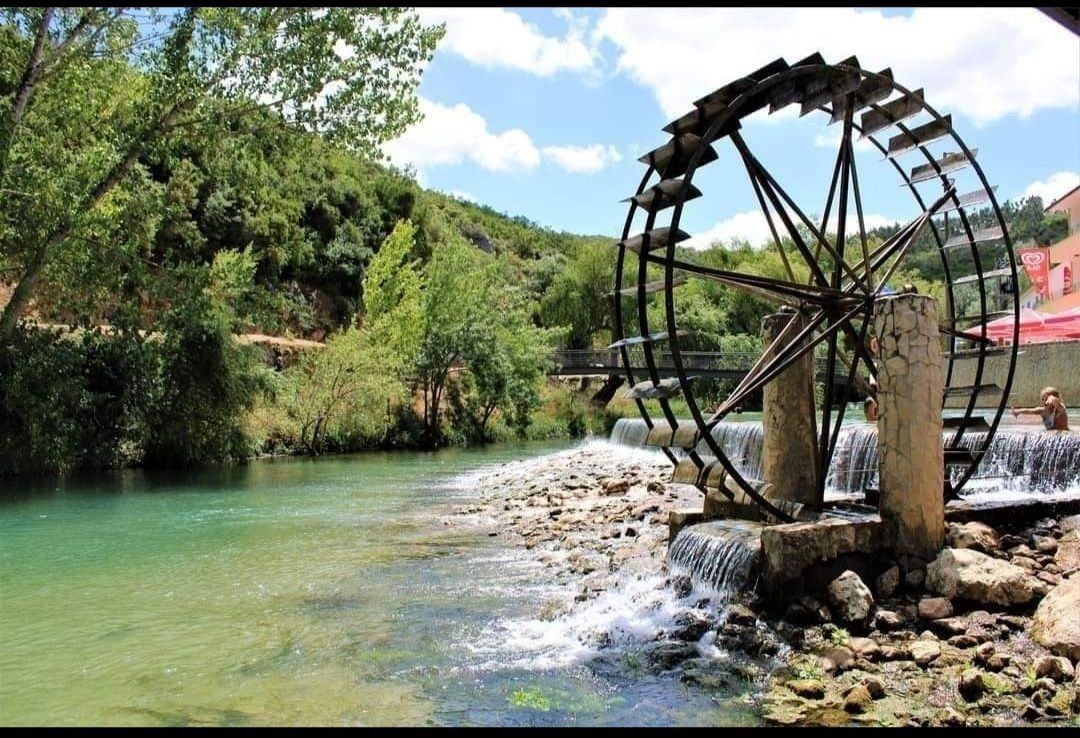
(493, 37)
(830, 139)
(452, 135)
(752, 226)
(985, 64)
(1053, 187)
(583, 159)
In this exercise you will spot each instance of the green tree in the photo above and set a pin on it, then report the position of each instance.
(348, 73)
(579, 297)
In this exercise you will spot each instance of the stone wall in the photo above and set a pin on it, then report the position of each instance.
(1038, 365)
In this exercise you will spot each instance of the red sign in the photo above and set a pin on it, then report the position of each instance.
(1036, 263)
(1066, 275)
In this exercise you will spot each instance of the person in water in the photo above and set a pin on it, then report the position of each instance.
(1054, 414)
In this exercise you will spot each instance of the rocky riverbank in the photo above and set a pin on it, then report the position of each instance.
(987, 634)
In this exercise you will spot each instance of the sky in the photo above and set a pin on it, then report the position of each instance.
(543, 112)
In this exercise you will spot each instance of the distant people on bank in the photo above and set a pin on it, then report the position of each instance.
(1054, 414)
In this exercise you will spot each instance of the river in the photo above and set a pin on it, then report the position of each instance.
(297, 592)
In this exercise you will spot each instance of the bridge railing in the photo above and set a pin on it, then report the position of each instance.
(609, 360)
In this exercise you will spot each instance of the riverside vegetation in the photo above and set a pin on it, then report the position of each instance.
(152, 210)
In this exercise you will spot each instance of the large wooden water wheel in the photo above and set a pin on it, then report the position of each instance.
(832, 279)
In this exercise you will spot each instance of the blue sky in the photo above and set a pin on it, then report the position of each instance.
(543, 112)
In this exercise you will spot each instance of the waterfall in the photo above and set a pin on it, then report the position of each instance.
(1018, 460)
(720, 554)
(629, 432)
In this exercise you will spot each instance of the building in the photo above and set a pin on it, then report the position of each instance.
(1063, 262)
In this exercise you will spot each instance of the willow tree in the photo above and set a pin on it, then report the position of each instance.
(87, 93)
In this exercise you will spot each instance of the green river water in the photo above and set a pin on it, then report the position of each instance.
(296, 592)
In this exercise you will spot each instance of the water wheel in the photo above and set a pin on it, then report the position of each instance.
(833, 274)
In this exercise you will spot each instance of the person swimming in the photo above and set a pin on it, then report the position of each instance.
(1054, 414)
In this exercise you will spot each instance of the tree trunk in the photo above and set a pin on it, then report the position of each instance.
(21, 296)
(24, 90)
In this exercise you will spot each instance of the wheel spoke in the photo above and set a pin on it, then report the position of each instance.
(775, 193)
(916, 227)
(777, 290)
(772, 228)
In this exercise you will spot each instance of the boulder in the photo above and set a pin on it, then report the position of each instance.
(1056, 668)
(961, 573)
(1067, 557)
(934, 608)
(888, 620)
(974, 535)
(971, 684)
(858, 700)
(888, 582)
(1056, 624)
(865, 648)
(850, 598)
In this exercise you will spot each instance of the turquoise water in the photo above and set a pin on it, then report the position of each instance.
(293, 592)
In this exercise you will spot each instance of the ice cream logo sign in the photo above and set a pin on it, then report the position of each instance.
(1037, 266)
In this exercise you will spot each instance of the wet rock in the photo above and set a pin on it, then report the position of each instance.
(960, 573)
(971, 686)
(740, 615)
(586, 563)
(669, 654)
(682, 584)
(962, 641)
(1057, 668)
(888, 582)
(810, 689)
(1056, 624)
(934, 608)
(655, 486)
(691, 625)
(850, 598)
(974, 535)
(708, 678)
(949, 627)
(925, 652)
(858, 700)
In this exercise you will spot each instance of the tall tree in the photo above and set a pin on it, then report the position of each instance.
(139, 78)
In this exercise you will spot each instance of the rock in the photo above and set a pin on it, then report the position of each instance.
(865, 648)
(850, 598)
(951, 716)
(810, 689)
(962, 641)
(838, 658)
(586, 563)
(949, 627)
(971, 685)
(669, 654)
(974, 535)
(1010, 541)
(934, 608)
(999, 684)
(691, 625)
(1056, 624)
(888, 620)
(611, 486)
(999, 662)
(984, 652)
(1054, 667)
(887, 583)
(874, 686)
(858, 700)
(924, 652)
(655, 486)
(740, 615)
(818, 612)
(1025, 563)
(915, 578)
(1045, 544)
(1014, 622)
(960, 573)
(1067, 557)
(892, 653)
